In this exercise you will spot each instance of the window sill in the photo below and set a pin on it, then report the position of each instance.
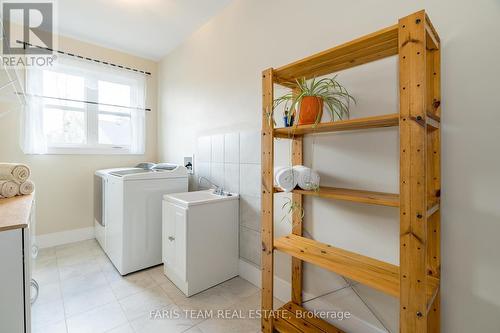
(89, 151)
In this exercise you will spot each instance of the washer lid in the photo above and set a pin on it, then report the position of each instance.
(143, 174)
(122, 173)
(107, 172)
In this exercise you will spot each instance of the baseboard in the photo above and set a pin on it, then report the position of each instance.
(253, 274)
(64, 237)
(250, 272)
(282, 291)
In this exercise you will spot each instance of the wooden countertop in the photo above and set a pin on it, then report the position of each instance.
(15, 212)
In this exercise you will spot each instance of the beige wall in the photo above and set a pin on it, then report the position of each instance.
(64, 183)
(211, 84)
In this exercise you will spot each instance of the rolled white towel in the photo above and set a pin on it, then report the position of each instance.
(13, 171)
(307, 179)
(285, 178)
(27, 187)
(8, 188)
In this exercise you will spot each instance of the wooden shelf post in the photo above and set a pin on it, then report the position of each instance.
(267, 200)
(297, 226)
(417, 186)
(433, 107)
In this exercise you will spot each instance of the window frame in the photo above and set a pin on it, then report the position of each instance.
(91, 114)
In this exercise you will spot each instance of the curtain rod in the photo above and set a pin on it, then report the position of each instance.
(86, 102)
(85, 58)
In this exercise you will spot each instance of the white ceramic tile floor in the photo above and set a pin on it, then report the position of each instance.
(81, 291)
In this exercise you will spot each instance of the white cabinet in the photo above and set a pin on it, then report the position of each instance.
(15, 259)
(174, 239)
(12, 287)
(200, 239)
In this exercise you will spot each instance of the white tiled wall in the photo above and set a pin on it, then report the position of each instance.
(217, 149)
(233, 161)
(250, 147)
(232, 148)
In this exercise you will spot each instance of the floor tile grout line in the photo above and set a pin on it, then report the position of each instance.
(109, 286)
(129, 322)
(96, 253)
(57, 256)
(225, 308)
(60, 290)
(195, 325)
(66, 317)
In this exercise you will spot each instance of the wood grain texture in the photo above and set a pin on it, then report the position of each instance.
(346, 194)
(413, 183)
(303, 321)
(432, 290)
(433, 107)
(434, 314)
(374, 46)
(319, 323)
(433, 79)
(15, 212)
(374, 273)
(267, 201)
(297, 225)
(284, 326)
(433, 40)
(387, 120)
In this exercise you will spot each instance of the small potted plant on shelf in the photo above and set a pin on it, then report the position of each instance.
(312, 95)
(288, 118)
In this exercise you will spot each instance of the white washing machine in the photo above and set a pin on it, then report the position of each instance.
(128, 213)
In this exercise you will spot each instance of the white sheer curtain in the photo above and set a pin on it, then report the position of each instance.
(33, 139)
(82, 80)
(138, 118)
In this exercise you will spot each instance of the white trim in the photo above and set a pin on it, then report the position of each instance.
(64, 237)
(282, 288)
(282, 291)
(250, 272)
(89, 150)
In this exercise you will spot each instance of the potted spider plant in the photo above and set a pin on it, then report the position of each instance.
(312, 95)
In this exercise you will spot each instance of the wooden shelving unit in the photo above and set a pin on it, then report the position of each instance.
(416, 280)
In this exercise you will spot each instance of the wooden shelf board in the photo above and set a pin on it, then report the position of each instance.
(294, 318)
(362, 196)
(386, 120)
(371, 272)
(375, 46)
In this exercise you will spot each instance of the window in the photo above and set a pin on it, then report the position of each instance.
(84, 108)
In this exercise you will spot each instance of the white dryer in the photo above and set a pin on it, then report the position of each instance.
(128, 219)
